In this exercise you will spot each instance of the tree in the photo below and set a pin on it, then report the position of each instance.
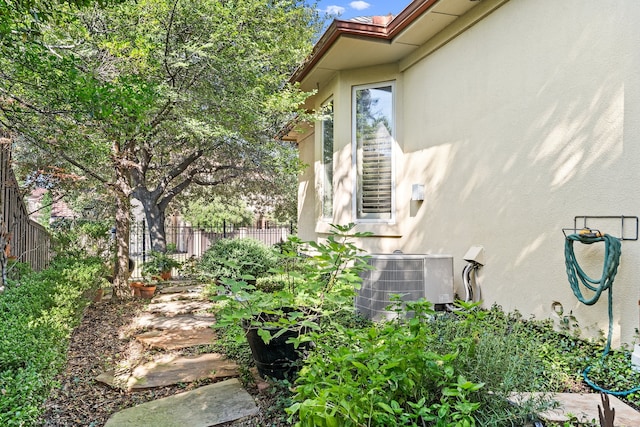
(147, 98)
(214, 212)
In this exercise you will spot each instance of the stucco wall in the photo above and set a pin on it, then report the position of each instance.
(307, 200)
(524, 121)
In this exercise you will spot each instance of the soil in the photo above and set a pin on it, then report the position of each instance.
(103, 340)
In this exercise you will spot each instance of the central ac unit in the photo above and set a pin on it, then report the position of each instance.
(413, 276)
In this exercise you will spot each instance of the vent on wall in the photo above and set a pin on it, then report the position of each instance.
(413, 276)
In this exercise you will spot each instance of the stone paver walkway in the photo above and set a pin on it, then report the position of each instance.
(175, 340)
(168, 370)
(584, 407)
(178, 318)
(203, 407)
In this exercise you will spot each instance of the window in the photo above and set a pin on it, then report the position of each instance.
(327, 162)
(373, 136)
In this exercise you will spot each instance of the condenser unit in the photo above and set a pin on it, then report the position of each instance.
(413, 276)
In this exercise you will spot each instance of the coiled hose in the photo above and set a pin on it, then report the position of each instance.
(605, 283)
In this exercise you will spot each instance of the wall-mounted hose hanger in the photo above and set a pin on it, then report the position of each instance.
(577, 276)
(627, 225)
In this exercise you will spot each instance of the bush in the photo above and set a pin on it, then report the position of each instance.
(386, 376)
(273, 283)
(37, 316)
(80, 237)
(233, 258)
(407, 371)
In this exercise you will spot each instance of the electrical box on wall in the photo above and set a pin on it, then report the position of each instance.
(417, 192)
(475, 254)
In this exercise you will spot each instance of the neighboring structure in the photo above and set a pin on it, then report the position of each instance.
(58, 210)
(493, 123)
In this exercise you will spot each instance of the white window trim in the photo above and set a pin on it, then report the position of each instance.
(354, 153)
(323, 166)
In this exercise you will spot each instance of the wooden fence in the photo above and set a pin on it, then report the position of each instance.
(28, 241)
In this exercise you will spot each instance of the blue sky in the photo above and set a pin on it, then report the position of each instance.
(347, 9)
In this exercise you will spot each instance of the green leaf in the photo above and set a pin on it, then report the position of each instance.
(359, 365)
(265, 335)
(386, 407)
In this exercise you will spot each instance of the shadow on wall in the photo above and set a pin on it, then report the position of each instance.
(508, 160)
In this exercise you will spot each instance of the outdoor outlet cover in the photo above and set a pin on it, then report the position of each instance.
(417, 192)
(475, 254)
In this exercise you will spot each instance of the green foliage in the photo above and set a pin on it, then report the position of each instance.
(615, 372)
(81, 237)
(275, 283)
(213, 213)
(231, 341)
(36, 319)
(386, 375)
(158, 263)
(457, 368)
(313, 287)
(17, 269)
(190, 94)
(363, 374)
(235, 258)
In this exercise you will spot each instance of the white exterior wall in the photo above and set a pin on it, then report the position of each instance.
(522, 122)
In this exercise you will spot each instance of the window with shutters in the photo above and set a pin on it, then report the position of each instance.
(373, 139)
(327, 162)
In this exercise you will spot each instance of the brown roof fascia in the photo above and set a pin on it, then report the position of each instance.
(340, 28)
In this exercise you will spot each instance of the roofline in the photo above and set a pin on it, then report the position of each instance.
(339, 28)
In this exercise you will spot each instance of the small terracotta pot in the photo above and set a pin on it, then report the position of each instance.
(135, 287)
(146, 292)
(165, 275)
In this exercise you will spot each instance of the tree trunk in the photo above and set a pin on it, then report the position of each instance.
(121, 271)
(155, 217)
(157, 231)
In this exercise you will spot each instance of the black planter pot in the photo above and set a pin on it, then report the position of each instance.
(277, 359)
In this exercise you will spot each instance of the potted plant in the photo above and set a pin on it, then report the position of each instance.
(316, 281)
(159, 265)
(147, 290)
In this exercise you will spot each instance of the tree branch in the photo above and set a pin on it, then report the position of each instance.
(178, 170)
(172, 77)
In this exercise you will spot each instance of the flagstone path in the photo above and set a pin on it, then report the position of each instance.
(203, 407)
(178, 318)
(584, 407)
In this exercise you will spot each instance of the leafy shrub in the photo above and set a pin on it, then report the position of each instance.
(386, 376)
(233, 258)
(37, 316)
(304, 290)
(427, 370)
(79, 237)
(276, 282)
(158, 263)
(17, 269)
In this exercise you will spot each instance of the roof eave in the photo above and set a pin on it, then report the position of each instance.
(339, 28)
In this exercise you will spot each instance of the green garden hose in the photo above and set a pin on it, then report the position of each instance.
(605, 283)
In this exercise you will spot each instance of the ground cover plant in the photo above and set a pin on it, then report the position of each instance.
(37, 314)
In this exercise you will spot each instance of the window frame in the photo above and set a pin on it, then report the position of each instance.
(324, 209)
(354, 158)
